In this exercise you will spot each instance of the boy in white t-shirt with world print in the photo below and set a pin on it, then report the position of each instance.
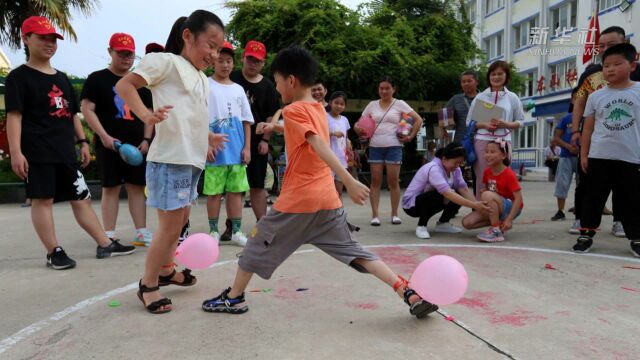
(230, 114)
(609, 151)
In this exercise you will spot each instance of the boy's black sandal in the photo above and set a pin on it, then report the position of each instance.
(189, 280)
(155, 306)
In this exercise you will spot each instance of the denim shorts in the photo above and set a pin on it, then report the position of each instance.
(171, 186)
(385, 155)
(507, 205)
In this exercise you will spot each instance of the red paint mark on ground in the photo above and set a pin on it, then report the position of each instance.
(563, 313)
(549, 266)
(517, 318)
(403, 260)
(605, 321)
(630, 289)
(632, 267)
(483, 302)
(450, 318)
(363, 306)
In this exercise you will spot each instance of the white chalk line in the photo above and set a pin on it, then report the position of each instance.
(35, 327)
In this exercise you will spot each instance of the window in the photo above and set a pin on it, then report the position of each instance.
(561, 75)
(525, 137)
(530, 83)
(605, 4)
(493, 46)
(522, 32)
(564, 16)
(492, 6)
(471, 11)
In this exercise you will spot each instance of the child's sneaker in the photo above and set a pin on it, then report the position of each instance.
(583, 244)
(493, 234)
(239, 239)
(558, 216)
(635, 248)
(114, 249)
(446, 228)
(617, 229)
(58, 260)
(143, 238)
(575, 228)
(226, 235)
(422, 232)
(222, 303)
(420, 308)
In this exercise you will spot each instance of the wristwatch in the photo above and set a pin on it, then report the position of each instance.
(80, 141)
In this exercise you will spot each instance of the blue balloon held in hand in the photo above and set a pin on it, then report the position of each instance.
(129, 153)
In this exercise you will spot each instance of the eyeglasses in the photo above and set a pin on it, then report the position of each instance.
(125, 54)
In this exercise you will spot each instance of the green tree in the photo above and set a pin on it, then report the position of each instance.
(420, 43)
(14, 12)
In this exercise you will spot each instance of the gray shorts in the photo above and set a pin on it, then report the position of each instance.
(278, 235)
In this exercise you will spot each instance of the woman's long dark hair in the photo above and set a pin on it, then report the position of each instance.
(197, 23)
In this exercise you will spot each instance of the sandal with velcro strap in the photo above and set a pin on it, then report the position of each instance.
(420, 308)
(155, 306)
(189, 280)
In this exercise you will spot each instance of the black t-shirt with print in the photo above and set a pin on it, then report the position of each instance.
(263, 98)
(594, 68)
(47, 104)
(115, 116)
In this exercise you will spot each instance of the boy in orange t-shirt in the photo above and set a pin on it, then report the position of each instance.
(304, 213)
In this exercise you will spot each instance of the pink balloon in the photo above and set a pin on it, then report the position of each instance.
(368, 125)
(440, 279)
(198, 251)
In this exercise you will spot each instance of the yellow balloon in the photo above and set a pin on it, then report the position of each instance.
(145, 192)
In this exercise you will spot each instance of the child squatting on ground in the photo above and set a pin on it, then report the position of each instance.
(501, 191)
(305, 213)
(183, 141)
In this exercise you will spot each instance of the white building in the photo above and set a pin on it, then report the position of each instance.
(545, 39)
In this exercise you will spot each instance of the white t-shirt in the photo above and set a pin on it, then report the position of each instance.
(616, 135)
(385, 134)
(228, 109)
(339, 145)
(513, 111)
(183, 137)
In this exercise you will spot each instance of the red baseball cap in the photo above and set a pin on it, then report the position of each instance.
(255, 49)
(39, 25)
(227, 47)
(122, 41)
(153, 47)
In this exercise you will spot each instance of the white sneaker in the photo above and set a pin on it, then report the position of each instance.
(375, 222)
(143, 238)
(575, 228)
(617, 229)
(396, 220)
(422, 232)
(239, 239)
(215, 236)
(447, 228)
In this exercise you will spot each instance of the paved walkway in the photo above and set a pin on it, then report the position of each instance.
(515, 308)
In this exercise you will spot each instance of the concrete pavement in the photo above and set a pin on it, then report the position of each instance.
(515, 307)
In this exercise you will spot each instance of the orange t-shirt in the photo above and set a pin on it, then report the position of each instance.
(308, 184)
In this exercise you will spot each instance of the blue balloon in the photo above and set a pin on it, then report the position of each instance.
(129, 153)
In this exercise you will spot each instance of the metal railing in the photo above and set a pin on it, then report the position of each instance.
(527, 158)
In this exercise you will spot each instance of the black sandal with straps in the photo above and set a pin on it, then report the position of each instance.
(189, 280)
(155, 306)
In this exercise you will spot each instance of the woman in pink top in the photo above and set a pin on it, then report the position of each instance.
(385, 146)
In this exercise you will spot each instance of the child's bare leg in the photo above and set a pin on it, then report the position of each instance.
(213, 211)
(42, 219)
(88, 220)
(495, 203)
(162, 249)
(380, 270)
(137, 205)
(476, 219)
(109, 204)
(240, 283)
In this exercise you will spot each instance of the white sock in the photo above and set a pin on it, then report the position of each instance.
(138, 231)
(111, 234)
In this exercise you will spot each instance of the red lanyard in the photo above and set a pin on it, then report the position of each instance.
(495, 102)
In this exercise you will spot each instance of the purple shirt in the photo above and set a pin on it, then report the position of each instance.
(429, 177)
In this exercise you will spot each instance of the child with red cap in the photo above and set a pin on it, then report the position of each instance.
(43, 130)
(111, 119)
(230, 114)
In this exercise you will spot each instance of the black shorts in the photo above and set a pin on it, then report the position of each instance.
(257, 170)
(114, 171)
(60, 182)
